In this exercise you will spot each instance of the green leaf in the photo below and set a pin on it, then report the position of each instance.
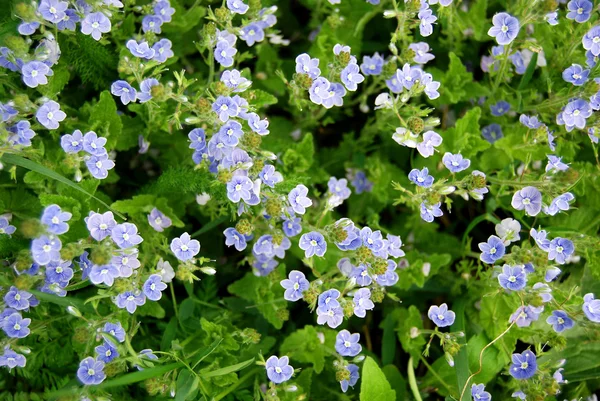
(105, 120)
(304, 346)
(60, 301)
(169, 335)
(300, 157)
(38, 168)
(187, 385)
(142, 375)
(407, 319)
(56, 82)
(388, 344)
(529, 71)
(374, 386)
(465, 137)
(263, 98)
(229, 369)
(396, 380)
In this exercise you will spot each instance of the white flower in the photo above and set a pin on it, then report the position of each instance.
(383, 101)
(202, 199)
(508, 230)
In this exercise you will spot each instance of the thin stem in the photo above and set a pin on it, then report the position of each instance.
(174, 300)
(435, 374)
(412, 381)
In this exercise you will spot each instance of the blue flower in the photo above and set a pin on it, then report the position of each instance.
(104, 274)
(524, 365)
(225, 107)
(230, 133)
(106, 352)
(360, 182)
(11, 359)
(591, 307)
(240, 187)
(252, 33)
(307, 65)
(146, 355)
(422, 55)
(560, 321)
(115, 330)
(140, 50)
(162, 50)
(95, 24)
(292, 227)
(576, 75)
(5, 227)
(35, 73)
(54, 219)
(22, 133)
(59, 272)
(441, 315)
(372, 65)
(6, 59)
(91, 371)
(518, 61)
(264, 246)
(339, 187)
(421, 177)
(530, 122)
(158, 220)
(591, 40)
(505, 29)
(579, 10)
(351, 76)
(347, 344)
(125, 91)
(72, 143)
(371, 239)
(551, 18)
(28, 28)
(528, 198)
(52, 10)
(362, 302)
(279, 369)
(100, 225)
(352, 368)
(145, 93)
(519, 394)
(431, 86)
(50, 114)
(455, 163)
(237, 6)
(431, 140)
(264, 265)
(294, 285)
(185, 248)
(524, 316)
(125, 235)
(126, 262)
(328, 300)
(163, 10)
(360, 274)
(234, 80)
(17, 299)
(512, 278)
(395, 83)
(333, 316)
(197, 138)
(224, 53)
(7, 111)
(492, 250)
(561, 202)
(257, 125)
(93, 144)
(409, 75)
(479, 394)
(15, 326)
(576, 112)
(427, 19)
(335, 96)
(151, 23)
(319, 90)
(560, 249)
(269, 176)
(298, 199)
(233, 237)
(313, 243)
(492, 132)
(45, 249)
(130, 300)
(500, 108)
(429, 212)
(153, 287)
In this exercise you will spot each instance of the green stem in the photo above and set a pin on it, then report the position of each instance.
(232, 388)
(435, 374)
(412, 381)
(174, 300)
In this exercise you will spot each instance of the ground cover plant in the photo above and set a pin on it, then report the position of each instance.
(299, 200)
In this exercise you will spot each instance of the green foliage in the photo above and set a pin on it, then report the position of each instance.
(375, 386)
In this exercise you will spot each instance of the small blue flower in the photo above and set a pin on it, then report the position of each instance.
(240, 187)
(116, 330)
(7, 112)
(352, 368)
(292, 227)
(106, 352)
(54, 219)
(153, 287)
(591, 307)
(455, 163)
(52, 10)
(339, 187)
(441, 315)
(72, 143)
(50, 114)
(91, 371)
(237, 6)
(197, 138)
(230, 133)
(528, 198)
(313, 243)
(431, 86)
(551, 18)
(576, 75)
(579, 10)
(146, 355)
(333, 316)
(95, 24)
(307, 65)
(145, 93)
(257, 125)
(319, 90)
(505, 29)
(422, 55)
(328, 300)
(28, 28)
(93, 144)
(185, 248)
(269, 176)
(233, 237)
(409, 75)
(530, 122)
(560, 249)
(524, 316)
(362, 302)
(560, 321)
(163, 10)
(298, 199)
(45, 249)
(512, 278)
(421, 177)
(264, 265)
(576, 112)
(252, 33)
(15, 326)
(351, 76)
(429, 212)
(100, 225)
(295, 285)
(22, 133)
(524, 365)
(225, 107)
(224, 53)
(518, 61)
(125, 235)
(500, 108)
(234, 80)
(35, 73)
(395, 83)
(360, 182)
(140, 50)
(347, 344)
(560, 203)
(492, 132)
(279, 369)
(158, 220)
(492, 250)
(431, 140)
(11, 359)
(427, 19)
(479, 394)
(591, 40)
(152, 23)
(59, 272)
(130, 300)
(372, 65)
(162, 50)
(5, 227)
(335, 96)
(17, 299)
(125, 91)
(372, 239)
(104, 274)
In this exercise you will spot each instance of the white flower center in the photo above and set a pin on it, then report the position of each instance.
(238, 187)
(524, 365)
(126, 236)
(104, 271)
(347, 344)
(17, 326)
(46, 248)
(512, 279)
(560, 320)
(504, 28)
(492, 251)
(277, 369)
(55, 220)
(91, 372)
(440, 317)
(103, 226)
(313, 242)
(50, 115)
(34, 73)
(559, 249)
(95, 25)
(296, 286)
(158, 220)
(59, 269)
(576, 113)
(184, 248)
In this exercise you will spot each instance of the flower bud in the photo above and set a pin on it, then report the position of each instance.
(416, 124)
(73, 311)
(210, 271)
